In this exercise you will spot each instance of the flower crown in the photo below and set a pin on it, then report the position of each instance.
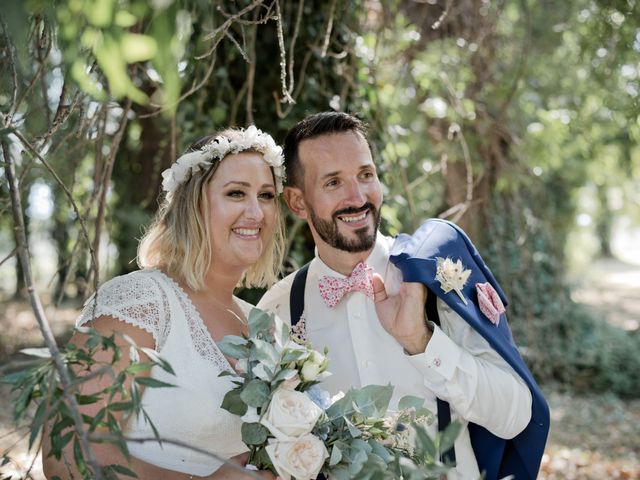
(251, 139)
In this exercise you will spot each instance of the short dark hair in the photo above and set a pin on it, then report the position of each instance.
(323, 123)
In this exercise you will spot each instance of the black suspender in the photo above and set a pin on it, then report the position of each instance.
(296, 307)
(296, 297)
(444, 411)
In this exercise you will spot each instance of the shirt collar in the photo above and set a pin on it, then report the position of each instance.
(377, 259)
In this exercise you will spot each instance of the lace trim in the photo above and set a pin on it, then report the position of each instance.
(131, 299)
(202, 341)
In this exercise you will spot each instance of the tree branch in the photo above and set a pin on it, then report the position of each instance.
(327, 34)
(36, 154)
(104, 181)
(45, 328)
(286, 96)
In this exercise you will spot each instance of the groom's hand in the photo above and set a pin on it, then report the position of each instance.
(402, 315)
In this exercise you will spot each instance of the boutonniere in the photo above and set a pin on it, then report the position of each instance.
(452, 276)
(489, 302)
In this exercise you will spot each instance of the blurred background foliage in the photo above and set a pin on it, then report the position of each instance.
(517, 119)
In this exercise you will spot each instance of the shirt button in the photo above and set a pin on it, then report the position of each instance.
(366, 363)
(437, 362)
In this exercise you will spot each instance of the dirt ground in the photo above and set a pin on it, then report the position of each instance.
(593, 437)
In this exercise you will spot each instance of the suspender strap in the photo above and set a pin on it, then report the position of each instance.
(296, 296)
(296, 306)
(444, 411)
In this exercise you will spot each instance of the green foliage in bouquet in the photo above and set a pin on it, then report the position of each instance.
(38, 388)
(293, 428)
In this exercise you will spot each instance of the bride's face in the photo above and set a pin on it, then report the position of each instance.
(242, 210)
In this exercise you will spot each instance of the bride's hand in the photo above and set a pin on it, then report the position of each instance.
(231, 472)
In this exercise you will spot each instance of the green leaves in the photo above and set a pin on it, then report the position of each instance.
(261, 324)
(254, 433)
(152, 382)
(103, 28)
(234, 346)
(369, 401)
(255, 393)
(233, 403)
(38, 389)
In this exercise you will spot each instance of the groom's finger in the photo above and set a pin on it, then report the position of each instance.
(379, 292)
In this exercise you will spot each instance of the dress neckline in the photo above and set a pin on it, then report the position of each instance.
(197, 318)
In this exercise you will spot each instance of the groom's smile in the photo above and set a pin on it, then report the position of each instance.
(342, 195)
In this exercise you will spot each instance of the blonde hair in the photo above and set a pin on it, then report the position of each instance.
(177, 241)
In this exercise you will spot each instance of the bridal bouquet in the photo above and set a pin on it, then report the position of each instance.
(295, 429)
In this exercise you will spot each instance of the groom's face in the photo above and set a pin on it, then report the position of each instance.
(341, 195)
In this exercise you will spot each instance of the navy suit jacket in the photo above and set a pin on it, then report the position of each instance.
(415, 255)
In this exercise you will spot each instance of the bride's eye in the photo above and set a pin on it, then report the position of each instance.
(235, 194)
(267, 195)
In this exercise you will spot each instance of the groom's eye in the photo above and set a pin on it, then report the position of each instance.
(332, 183)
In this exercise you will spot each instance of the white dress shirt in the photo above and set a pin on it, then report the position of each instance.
(458, 365)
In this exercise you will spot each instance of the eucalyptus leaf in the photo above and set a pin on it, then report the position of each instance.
(260, 324)
(353, 430)
(448, 437)
(294, 355)
(234, 346)
(254, 433)
(284, 374)
(373, 400)
(233, 403)
(255, 393)
(425, 446)
(336, 456)
(262, 372)
(340, 473)
(266, 353)
(281, 332)
(381, 451)
(410, 401)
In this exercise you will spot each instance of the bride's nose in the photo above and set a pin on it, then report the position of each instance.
(254, 211)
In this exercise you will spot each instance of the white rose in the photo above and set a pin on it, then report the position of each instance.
(310, 371)
(313, 366)
(290, 414)
(302, 458)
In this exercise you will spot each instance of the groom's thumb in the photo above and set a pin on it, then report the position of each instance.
(379, 292)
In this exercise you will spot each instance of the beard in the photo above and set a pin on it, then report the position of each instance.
(330, 234)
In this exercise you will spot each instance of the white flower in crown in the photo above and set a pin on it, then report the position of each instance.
(251, 139)
(452, 276)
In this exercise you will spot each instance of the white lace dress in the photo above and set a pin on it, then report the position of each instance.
(189, 412)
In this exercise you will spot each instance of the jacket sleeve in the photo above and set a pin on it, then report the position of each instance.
(460, 367)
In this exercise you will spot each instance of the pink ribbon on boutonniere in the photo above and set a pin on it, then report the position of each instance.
(489, 301)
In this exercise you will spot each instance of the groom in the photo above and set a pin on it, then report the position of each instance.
(351, 298)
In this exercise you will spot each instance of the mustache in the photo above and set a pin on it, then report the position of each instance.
(351, 210)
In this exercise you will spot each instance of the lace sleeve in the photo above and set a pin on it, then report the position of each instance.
(137, 299)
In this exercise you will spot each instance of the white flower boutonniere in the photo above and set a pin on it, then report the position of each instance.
(452, 276)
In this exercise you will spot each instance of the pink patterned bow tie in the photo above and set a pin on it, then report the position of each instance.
(332, 289)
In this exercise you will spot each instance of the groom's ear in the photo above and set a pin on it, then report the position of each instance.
(295, 201)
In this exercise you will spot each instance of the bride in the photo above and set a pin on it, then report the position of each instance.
(218, 227)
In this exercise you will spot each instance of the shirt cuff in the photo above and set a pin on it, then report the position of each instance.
(440, 359)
